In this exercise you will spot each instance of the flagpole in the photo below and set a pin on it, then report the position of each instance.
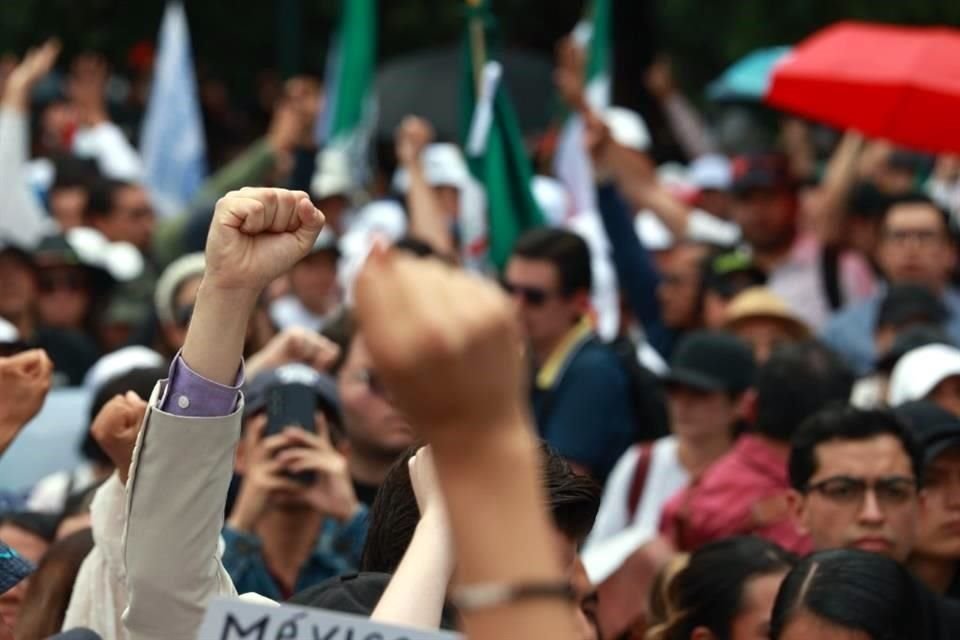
(478, 47)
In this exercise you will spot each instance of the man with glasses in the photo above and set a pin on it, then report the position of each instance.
(580, 393)
(855, 477)
(916, 247)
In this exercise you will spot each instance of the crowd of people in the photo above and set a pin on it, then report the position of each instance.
(722, 402)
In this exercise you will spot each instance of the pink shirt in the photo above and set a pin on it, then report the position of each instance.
(744, 492)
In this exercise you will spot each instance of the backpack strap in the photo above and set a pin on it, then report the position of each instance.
(640, 474)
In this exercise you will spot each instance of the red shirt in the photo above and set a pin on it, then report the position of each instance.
(744, 492)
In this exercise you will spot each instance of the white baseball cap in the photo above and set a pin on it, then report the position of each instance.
(627, 128)
(552, 197)
(919, 372)
(443, 166)
(8, 332)
(120, 362)
(711, 171)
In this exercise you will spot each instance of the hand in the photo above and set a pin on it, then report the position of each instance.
(34, 66)
(263, 475)
(25, 379)
(286, 128)
(332, 491)
(258, 234)
(413, 135)
(87, 87)
(433, 509)
(659, 78)
(447, 345)
(295, 344)
(116, 428)
(569, 73)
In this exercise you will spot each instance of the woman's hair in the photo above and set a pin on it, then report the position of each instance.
(858, 591)
(51, 585)
(708, 591)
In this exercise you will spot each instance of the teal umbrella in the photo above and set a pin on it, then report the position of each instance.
(747, 79)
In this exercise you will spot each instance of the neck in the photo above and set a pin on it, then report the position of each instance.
(288, 538)
(543, 349)
(697, 454)
(936, 573)
(783, 448)
(369, 469)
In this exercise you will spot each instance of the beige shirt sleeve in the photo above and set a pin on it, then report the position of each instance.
(175, 498)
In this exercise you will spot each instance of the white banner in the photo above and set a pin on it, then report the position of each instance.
(233, 619)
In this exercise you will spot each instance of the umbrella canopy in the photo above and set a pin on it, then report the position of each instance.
(897, 83)
(747, 79)
(429, 84)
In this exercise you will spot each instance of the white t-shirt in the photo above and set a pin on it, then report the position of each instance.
(615, 535)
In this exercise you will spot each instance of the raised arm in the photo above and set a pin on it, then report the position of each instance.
(448, 348)
(183, 461)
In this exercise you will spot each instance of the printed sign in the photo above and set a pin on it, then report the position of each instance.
(233, 619)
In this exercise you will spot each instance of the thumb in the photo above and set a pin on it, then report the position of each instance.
(311, 223)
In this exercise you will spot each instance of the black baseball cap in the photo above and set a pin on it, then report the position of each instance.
(712, 361)
(761, 171)
(730, 272)
(935, 428)
(257, 391)
(909, 339)
(908, 304)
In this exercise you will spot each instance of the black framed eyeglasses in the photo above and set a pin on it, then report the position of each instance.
(849, 491)
(533, 296)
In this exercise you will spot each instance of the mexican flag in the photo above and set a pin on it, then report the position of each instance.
(493, 142)
(571, 164)
(349, 117)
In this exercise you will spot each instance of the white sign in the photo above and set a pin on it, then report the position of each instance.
(232, 619)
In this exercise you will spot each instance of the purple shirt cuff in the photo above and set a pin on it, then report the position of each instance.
(190, 395)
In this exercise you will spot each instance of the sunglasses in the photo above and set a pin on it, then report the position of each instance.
(49, 282)
(533, 296)
(848, 491)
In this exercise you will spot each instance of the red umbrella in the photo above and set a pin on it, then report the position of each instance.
(898, 83)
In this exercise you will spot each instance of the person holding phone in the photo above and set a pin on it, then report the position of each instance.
(296, 520)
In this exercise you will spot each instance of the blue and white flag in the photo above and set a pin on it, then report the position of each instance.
(172, 141)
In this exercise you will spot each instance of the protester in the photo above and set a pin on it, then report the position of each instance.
(314, 294)
(548, 277)
(725, 276)
(30, 536)
(930, 372)
(746, 490)
(46, 600)
(855, 476)
(726, 590)
(288, 532)
(937, 547)
(764, 321)
(916, 247)
(848, 593)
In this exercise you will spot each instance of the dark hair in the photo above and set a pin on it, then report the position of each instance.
(41, 525)
(708, 592)
(565, 250)
(916, 198)
(141, 381)
(573, 500)
(859, 591)
(100, 202)
(846, 423)
(45, 604)
(341, 330)
(795, 383)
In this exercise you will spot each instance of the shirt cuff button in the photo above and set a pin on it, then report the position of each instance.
(183, 402)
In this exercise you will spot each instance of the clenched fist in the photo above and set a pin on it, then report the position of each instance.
(258, 234)
(446, 344)
(25, 379)
(116, 428)
(412, 136)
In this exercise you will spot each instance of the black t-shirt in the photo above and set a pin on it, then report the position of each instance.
(366, 493)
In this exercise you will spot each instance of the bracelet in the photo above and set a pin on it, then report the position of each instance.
(492, 594)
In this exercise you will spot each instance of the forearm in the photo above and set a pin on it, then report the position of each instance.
(687, 125)
(248, 168)
(501, 531)
(427, 221)
(837, 182)
(218, 328)
(674, 214)
(418, 589)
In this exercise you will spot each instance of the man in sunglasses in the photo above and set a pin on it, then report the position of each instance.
(855, 476)
(580, 394)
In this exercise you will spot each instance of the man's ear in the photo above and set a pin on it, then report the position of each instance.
(747, 406)
(797, 503)
(240, 457)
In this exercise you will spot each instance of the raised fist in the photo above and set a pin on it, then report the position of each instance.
(116, 428)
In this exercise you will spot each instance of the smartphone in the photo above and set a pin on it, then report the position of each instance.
(292, 405)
